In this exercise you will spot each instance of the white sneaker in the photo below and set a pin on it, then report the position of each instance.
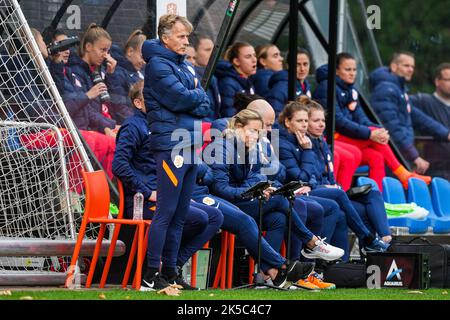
(323, 251)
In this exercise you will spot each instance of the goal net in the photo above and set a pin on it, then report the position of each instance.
(41, 155)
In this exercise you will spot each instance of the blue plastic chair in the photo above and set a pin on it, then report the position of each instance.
(365, 180)
(393, 193)
(418, 192)
(440, 196)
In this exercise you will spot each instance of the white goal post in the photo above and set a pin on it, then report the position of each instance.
(41, 154)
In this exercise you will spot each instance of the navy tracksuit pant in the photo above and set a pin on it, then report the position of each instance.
(372, 212)
(275, 212)
(175, 182)
(246, 230)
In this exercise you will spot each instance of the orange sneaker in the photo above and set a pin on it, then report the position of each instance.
(305, 284)
(403, 175)
(427, 179)
(315, 279)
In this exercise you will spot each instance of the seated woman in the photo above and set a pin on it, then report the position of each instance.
(353, 126)
(300, 160)
(273, 265)
(97, 129)
(130, 65)
(234, 75)
(95, 61)
(370, 206)
(269, 61)
(278, 83)
(235, 169)
(135, 166)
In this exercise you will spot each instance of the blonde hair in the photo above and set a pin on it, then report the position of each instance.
(241, 120)
(136, 90)
(92, 34)
(262, 52)
(167, 21)
(135, 40)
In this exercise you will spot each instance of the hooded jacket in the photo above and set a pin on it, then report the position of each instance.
(391, 102)
(351, 120)
(230, 83)
(278, 90)
(172, 100)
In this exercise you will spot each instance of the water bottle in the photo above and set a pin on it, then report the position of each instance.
(138, 206)
(97, 78)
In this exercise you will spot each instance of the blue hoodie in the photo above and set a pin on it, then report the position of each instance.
(390, 101)
(171, 97)
(278, 90)
(230, 83)
(351, 123)
(133, 160)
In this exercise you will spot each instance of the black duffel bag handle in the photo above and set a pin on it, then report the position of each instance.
(422, 239)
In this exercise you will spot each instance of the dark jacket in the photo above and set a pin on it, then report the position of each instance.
(126, 75)
(432, 107)
(117, 107)
(133, 160)
(353, 124)
(261, 81)
(85, 113)
(391, 102)
(171, 98)
(233, 172)
(278, 90)
(230, 83)
(300, 164)
(324, 168)
(213, 94)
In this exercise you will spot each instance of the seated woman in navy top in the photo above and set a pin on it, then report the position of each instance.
(269, 61)
(370, 206)
(235, 166)
(298, 157)
(234, 75)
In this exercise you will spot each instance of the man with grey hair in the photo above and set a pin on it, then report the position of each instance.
(437, 106)
(174, 99)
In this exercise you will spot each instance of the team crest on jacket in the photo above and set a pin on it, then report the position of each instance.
(191, 70)
(208, 201)
(178, 161)
(354, 94)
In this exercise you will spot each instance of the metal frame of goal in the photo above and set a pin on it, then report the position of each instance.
(41, 158)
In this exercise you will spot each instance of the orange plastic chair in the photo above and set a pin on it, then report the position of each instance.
(224, 272)
(97, 211)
